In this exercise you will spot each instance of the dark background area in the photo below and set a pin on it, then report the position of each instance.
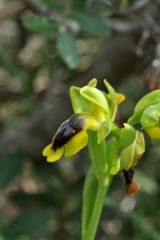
(46, 46)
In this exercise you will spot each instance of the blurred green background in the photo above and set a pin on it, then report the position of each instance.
(46, 46)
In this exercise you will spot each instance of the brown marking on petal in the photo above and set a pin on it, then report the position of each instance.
(67, 130)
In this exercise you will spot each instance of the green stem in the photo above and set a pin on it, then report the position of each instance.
(98, 157)
(95, 191)
(96, 212)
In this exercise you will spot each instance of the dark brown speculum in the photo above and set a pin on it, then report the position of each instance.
(67, 130)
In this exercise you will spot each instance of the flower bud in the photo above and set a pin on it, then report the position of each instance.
(132, 154)
(151, 98)
(147, 113)
(150, 121)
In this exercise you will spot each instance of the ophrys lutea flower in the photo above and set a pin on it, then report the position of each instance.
(94, 109)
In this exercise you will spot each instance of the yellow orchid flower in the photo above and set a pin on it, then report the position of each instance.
(94, 110)
(69, 139)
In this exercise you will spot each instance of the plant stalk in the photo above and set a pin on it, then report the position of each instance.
(100, 166)
(96, 212)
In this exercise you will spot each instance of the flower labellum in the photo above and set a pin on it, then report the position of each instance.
(70, 138)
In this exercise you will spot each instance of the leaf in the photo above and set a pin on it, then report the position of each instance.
(66, 46)
(90, 23)
(9, 64)
(39, 23)
(28, 222)
(11, 166)
(54, 4)
(100, 7)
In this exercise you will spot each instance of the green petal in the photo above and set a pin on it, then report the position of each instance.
(76, 143)
(113, 100)
(95, 96)
(79, 103)
(92, 83)
(120, 98)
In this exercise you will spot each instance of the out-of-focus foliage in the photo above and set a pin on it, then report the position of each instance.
(67, 21)
(45, 47)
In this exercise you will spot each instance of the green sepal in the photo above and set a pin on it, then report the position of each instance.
(95, 96)
(92, 83)
(113, 101)
(126, 136)
(79, 103)
(149, 99)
